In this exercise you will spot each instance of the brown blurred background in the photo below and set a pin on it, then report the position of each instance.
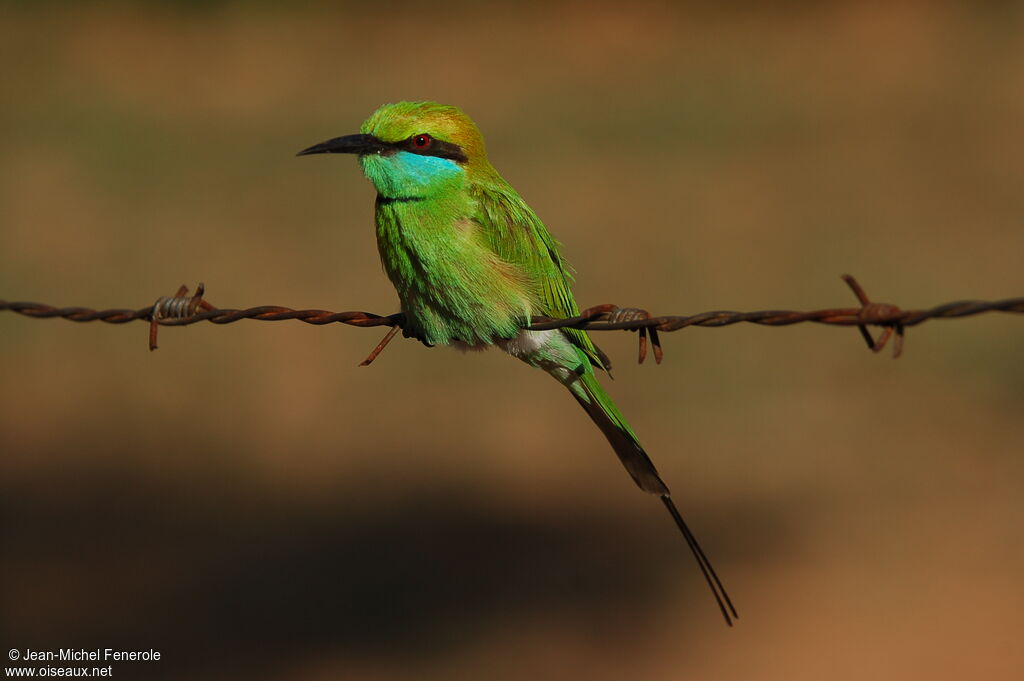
(251, 503)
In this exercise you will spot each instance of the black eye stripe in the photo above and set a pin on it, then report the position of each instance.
(434, 147)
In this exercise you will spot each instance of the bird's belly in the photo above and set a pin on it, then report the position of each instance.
(452, 287)
(444, 314)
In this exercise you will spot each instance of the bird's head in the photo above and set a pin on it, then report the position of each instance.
(413, 149)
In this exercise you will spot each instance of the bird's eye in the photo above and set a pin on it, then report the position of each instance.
(422, 141)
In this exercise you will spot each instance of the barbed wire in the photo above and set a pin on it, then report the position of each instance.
(183, 310)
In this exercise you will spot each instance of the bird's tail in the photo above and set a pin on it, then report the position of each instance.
(600, 407)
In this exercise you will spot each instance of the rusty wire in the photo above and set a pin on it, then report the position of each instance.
(182, 310)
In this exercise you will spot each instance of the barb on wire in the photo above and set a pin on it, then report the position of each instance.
(881, 308)
(183, 309)
(178, 306)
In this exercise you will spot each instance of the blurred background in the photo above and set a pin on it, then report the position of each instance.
(250, 502)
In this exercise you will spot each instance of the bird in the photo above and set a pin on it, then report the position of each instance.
(472, 263)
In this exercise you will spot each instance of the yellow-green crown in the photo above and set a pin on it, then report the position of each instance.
(402, 120)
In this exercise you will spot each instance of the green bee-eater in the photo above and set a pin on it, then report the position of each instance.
(472, 263)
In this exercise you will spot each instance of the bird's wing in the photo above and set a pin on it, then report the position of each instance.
(517, 235)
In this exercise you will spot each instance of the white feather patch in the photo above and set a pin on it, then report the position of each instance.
(526, 343)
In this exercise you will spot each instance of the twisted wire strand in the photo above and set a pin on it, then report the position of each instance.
(589, 320)
(183, 310)
(270, 313)
(872, 315)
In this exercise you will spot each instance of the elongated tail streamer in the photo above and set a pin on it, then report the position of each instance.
(714, 583)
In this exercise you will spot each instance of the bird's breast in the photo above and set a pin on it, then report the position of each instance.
(451, 284)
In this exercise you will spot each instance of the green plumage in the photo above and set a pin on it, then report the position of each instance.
(471, 263)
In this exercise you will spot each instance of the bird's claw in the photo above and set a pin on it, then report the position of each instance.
(406, 333)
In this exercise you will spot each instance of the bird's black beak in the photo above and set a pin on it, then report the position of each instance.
(349, 144)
